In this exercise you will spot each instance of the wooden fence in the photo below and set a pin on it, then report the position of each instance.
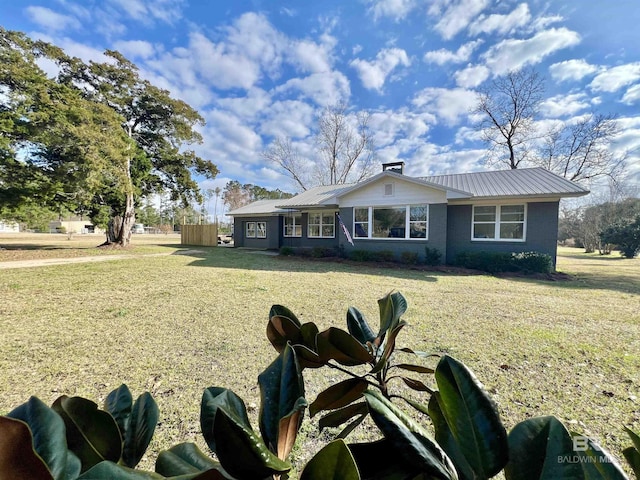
(206, 235)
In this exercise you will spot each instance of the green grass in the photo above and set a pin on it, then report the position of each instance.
(176, 324)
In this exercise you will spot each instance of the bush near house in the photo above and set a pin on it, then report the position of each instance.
(625, 236)
(499, 262)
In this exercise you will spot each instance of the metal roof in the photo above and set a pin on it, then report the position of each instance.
(324, 195)
(259, 207)
(534, 182)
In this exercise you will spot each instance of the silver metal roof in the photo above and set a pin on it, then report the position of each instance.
(259, 207)
(535, 182)
(324, 195)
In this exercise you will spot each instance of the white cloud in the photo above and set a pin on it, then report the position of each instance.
(575, 70)
(449, 105)
(395, 9)
(374, 74)
(288, 118)
(513, 54)
(502, 24)
(471, 76)
(51, 20)
(249, 106)
(563, 105)
(455, 15)
(148, 11)
(442, 56)
(323, 88)
(615, 78)
(311, 57)
(632, 95)
(392, 126)
(135, 48)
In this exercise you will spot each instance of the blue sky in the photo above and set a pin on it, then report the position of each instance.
(257, 69)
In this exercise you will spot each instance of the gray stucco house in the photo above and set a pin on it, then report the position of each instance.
(507, 210)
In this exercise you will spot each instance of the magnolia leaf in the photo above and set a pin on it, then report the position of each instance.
(392, 306)
(416, 385)
(338, 345)
(18, 459)
(282, 330)
(282, 311)
(414, 368)
(333, 462)
(186, 458)
(389, 346)
(141, 426)
(597, 463)
(118, 403)
(214, 398)
(633, 459)
(342, 415)
(338, 395)
(359, 327)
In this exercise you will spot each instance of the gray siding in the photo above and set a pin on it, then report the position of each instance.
(239, 231)
(542, 232)
(304, 241)
(437, 235)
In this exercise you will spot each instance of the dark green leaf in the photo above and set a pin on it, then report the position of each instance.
(113, 471)
(338, 395)
(333, 462)
(92, 434)
(282, 330)
(445, 439)
(378, 460)
(214, 398)
(359, 327)
(472, 417)
(185, 458)
(408, 439)
(342, 415)
(416, 385)
(392, 306)
(414, 368)
(633, 459)
(241, 452)
(18, 459)
(352, 426)
(49, 438)
(282, 395)
(597, 463)
(118, 403)
(420, 354)
(635, 438)
(142, 424)
(338, 345)
(282, 311)
(389, 346)
(541, 448)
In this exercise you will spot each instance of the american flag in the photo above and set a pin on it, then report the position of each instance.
(344, 229)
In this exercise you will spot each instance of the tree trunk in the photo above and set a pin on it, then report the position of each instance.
(120, 226)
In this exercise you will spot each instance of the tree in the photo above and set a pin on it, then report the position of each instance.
(509, 107)
(236, 195)
(109, 138)
(344, 144)
(578, 149)
(625, 236)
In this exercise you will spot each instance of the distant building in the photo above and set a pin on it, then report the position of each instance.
(74, 225)
(9, 227)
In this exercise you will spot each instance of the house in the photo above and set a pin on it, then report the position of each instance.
(74, 225)
(9, 227)
(497, 211)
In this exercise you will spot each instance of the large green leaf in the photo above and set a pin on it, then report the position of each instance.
(541, 448)
(141, 426)
(241, 452)
(392, 306)
(49, 438)
(342, 415)
(338, 345)
(282, 398)
(632, 456)
(408, 439)
(389, 347)
(282, 311)
(282, 330)
(333, 462)
(307, 349)
(118, 403)
(338, 395)
(378, 460)
(472, 417)
(113, 471)
(214, 398)
(18, 459)
(635, 438)
(359, 327)
(92, 434)
(186, 458)
(597, 463)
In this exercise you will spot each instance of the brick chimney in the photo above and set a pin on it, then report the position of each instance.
(397, 167)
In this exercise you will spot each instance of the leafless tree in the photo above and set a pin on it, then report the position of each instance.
(345, 151)
(581, 151)
(509, 107)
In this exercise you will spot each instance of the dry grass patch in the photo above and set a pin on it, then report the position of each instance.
(176, 324)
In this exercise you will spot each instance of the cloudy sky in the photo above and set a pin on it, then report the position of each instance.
(256, 69)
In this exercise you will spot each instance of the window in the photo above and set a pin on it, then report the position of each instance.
(499, 222)
(261, 229)
(292, 226)
(250, 230)
(406, 222)
(321, 225)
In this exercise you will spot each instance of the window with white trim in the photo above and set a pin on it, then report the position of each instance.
(321, 225)
(499, 222)
(261, 229)
(397, 222)
(292, 226)
(250, 230)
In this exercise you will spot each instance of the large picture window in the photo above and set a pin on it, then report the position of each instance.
(292, 226)
(499, 222)
(399, 222)
(256, 230)
(322, 225)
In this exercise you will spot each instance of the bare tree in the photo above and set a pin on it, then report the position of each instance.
(509, 107)
(581, 151)
(345, 148)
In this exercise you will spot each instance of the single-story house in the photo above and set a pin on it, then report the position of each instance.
(74, 225)
(9, 227)
(497, 211)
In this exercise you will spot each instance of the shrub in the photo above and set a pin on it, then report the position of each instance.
(533, 262)
(432, 256)
(384, 256)
(409, 258)
(360, 255)
(626, 237)
(497, 262)
(286, 251)
(323, 252)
